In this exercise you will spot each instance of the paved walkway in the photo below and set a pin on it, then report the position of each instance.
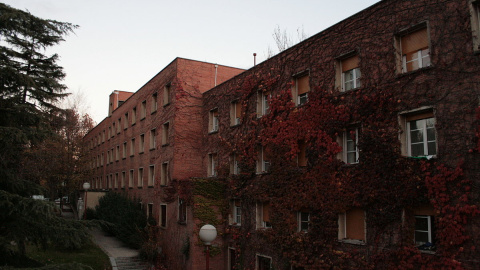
(121, 257)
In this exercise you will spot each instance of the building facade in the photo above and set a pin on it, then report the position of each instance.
(357, 148)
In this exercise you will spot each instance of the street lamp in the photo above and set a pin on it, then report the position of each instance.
(207, 234)
(86, 186)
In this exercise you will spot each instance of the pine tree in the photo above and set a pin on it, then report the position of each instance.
(30, 86)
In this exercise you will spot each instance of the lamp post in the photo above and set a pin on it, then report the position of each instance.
(207, 234)
(86, 186)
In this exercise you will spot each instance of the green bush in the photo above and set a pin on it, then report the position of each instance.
(126, 216)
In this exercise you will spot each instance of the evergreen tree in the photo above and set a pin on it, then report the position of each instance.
(30, 86)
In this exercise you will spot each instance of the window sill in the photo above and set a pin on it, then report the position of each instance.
(124, 158)
(402, 74)
(132, 155)
(153, 112)
(165, 105)
(423, 157)
(352, 242)
(430, 252)
(130, 188)
(212, 132)
(150, 186)
(142, 119)
(182, 222)
(262, 173)
(151, 149)
(235, 125)
(140, 153)
(133, 124)
(166, 144)
(139, 187)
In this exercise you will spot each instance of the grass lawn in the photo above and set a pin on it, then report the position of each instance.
(90, 255)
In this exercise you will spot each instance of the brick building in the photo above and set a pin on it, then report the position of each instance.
(357, 148)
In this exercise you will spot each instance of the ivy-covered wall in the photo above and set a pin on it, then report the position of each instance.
(385, 183)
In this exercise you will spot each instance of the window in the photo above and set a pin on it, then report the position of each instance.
(234, 168)
(103, 136)
(163, 216)
(182, 211)
(109, 134)
(140, 178)
(117, 153)
(166, 94)
(164, 178)
(263, 215)
(110, 181)
(154, 103)
(262, 103)
(114, 130)
(302, 154)
(263, 262)
(108, 157)
(130, 179)
(134, 115)
(115, 184)
(150, 210)
(132, 147)
(236, 214)
(213, 120)
(415, 51)
(303, 221)
(141, 144)
(122, 183)
(351, 226)
(143, 111)
(166, 127)
(111, 156)
(350, 73)
(151, 175)
(101, 160)
(235, 113)
(420, 136)
(124, 150)
(475, 17)
(425, 227)
(301, 88)
(263, 165)
(125, 121)
(232, 259)
(119, 125)
(349, 143)
(212, 165)
(153, 139)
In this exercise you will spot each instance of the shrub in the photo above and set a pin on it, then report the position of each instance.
(126, 216)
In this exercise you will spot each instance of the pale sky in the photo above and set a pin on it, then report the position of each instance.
(121, 44)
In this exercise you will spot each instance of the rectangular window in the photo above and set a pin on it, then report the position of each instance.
(122, 184)
(475, 20)
(263, 105)
(263, 165)
(132, 147)
(232, 259)
(166, 94)
(212, 165)
(119, 125)
(234, 167)
(421, 135)
(236, 214)
(117, 153)
(115, 184)
(166, 127)
(301, 89)
(124, 150)
(109, 133)
(415, 50)
(101, 160)
(213, 120)
(108, 157)
(263, 215)
(114, 130)
(134, 115)
(140, 178)
(351, 225)
(263, 263)
(235, 113)
(424, 231)
(350, 73)
(182, 211)
(350, 153)
(143, 111)
(153, 139)
(150, 210)
(151, 175)
(154, 103)
(163, 216)
(130, 179)
(111, 155)
(125, 121)
(302, 154)
(103, 136)
(164, 178)
(141, 148)
(303, 221)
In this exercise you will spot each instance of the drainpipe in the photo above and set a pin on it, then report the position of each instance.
(216, 69)
(254, 59)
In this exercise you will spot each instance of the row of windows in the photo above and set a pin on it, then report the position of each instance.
(162, 212)
(122, 180)
(419, 141)
(114, 153)
(351, 224)
(132, 117)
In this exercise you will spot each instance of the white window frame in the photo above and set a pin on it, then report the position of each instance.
(356, 79)
(212, 164)
(235, 169)
(346, 138)
(234, 120)
(424, 140)
(263, 106)
(422, 60)
(257, 265)
(236, 218)
(300, 221)
(214, 123)
(261, 224)
(429, 231)
(263, 166)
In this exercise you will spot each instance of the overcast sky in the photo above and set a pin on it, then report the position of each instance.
(121, 44)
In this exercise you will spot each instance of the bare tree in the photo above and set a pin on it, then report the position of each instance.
(284, 40)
